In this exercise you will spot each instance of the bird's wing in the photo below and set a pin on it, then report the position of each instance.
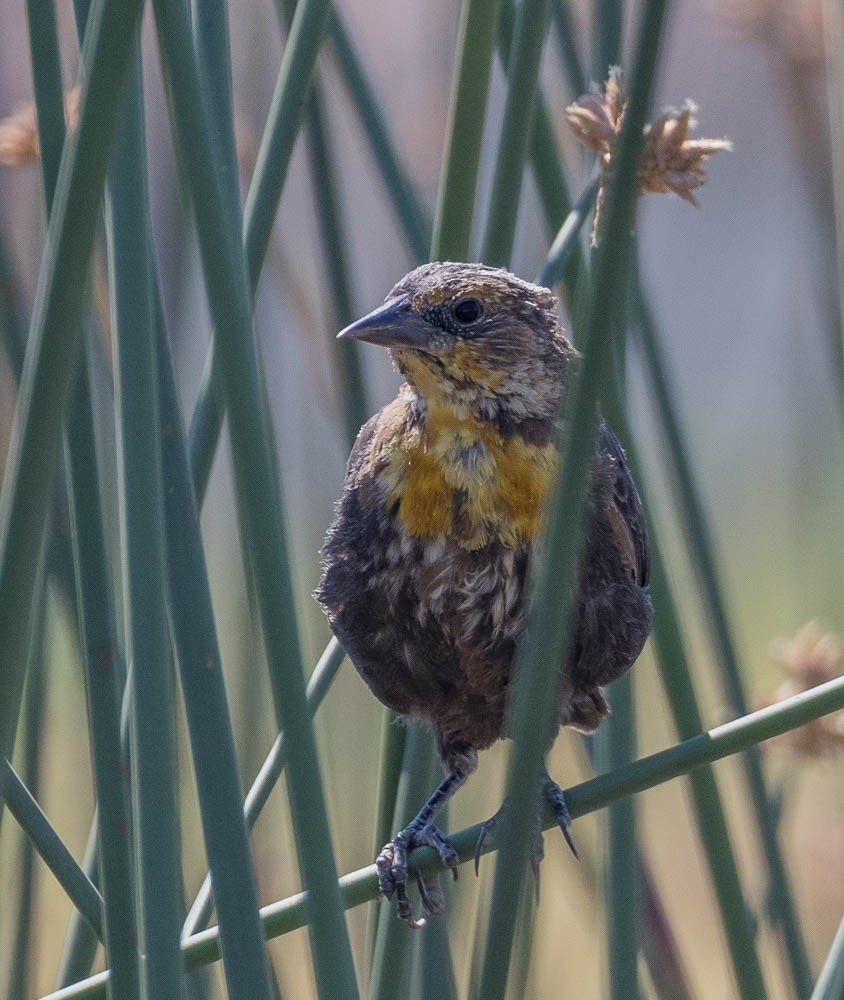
(624, 509)
(361, 445)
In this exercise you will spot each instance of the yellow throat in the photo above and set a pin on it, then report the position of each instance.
(457, 476)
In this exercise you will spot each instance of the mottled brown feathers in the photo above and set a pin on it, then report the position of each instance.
(426, 562)
(444, 501)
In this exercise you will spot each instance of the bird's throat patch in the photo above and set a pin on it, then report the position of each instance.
(462, 478)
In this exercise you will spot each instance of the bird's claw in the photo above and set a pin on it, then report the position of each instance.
(487, 832)
(391, 865)
(554, 796)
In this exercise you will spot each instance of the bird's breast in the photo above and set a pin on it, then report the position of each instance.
(462, 479)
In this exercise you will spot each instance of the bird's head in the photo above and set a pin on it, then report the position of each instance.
(475, 338)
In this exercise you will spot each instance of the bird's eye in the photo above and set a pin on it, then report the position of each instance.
(467, 311)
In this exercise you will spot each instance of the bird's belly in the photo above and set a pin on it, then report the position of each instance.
(476, 596)
(469, 611)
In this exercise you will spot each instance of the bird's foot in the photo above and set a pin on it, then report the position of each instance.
(488, 833)
(553, 794)
(391, 864)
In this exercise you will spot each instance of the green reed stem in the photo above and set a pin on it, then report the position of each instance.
(830, 984)
(572, 65)
(452, 233)
(55, 339)
(516, 129)
(701, 750)
(142, 536)
(607, 23)
(257, 488)
(546, 639)
(51, 847)
(408, 206)
(265, 781)
(698, 539)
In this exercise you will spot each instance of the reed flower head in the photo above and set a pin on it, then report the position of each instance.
(673, 161)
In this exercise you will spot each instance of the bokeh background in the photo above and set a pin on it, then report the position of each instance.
(745, 291)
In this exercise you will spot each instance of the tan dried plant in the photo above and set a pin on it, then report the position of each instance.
(19, 130)
(672, 160)
(814, 656)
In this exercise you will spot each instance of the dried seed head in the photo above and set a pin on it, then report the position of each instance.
(595, 118)
(19, 131)
(671, 161)
(812, 657)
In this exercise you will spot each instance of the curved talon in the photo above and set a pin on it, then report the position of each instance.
(384, 867)
(537, 854)
(487, 831)
(431, 894)
(434, 837)
(554, 796)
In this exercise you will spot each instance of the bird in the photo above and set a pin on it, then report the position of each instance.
(426, 563)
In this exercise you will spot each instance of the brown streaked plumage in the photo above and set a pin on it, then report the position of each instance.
(444, 498)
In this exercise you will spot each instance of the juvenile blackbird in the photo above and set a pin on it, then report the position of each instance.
(426, 562)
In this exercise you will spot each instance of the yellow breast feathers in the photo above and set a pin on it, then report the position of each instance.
(459, 477)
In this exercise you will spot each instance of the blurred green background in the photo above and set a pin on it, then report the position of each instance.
(746, 294)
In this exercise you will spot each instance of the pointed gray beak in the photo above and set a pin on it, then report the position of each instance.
(394, 324)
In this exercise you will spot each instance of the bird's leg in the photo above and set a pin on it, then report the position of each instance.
(391, 863)
(553, 795)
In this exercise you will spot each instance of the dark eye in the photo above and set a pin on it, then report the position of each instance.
(468, 311)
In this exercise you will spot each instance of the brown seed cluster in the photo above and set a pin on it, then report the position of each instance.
(812, 657)
(19, 130)
(672, 160)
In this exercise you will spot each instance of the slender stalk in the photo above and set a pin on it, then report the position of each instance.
(102, 677)
(607, 18)
(833, 25)
(407, 203)
(712, 826)
(81, 943)
(698, 539)
(96, 615)
(830, 984)
(393, 958)
(289, 98)
(459, 177)
(206, 707)
(50, 846)
(142, 537)
(191, 611)
(701, 750)
(54, 342)
(572, 65)
(434, 968)
(566, 240)
(346, 353)
(288, 104)
(546, 638)
(551, 183)
(25, 945)
(622, 876)
(265, 781)
(516, 129)
(257, 488)
(47, 89)
(324, 181)
(390, 758)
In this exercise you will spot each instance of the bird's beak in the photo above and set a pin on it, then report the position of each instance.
(394, 324)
